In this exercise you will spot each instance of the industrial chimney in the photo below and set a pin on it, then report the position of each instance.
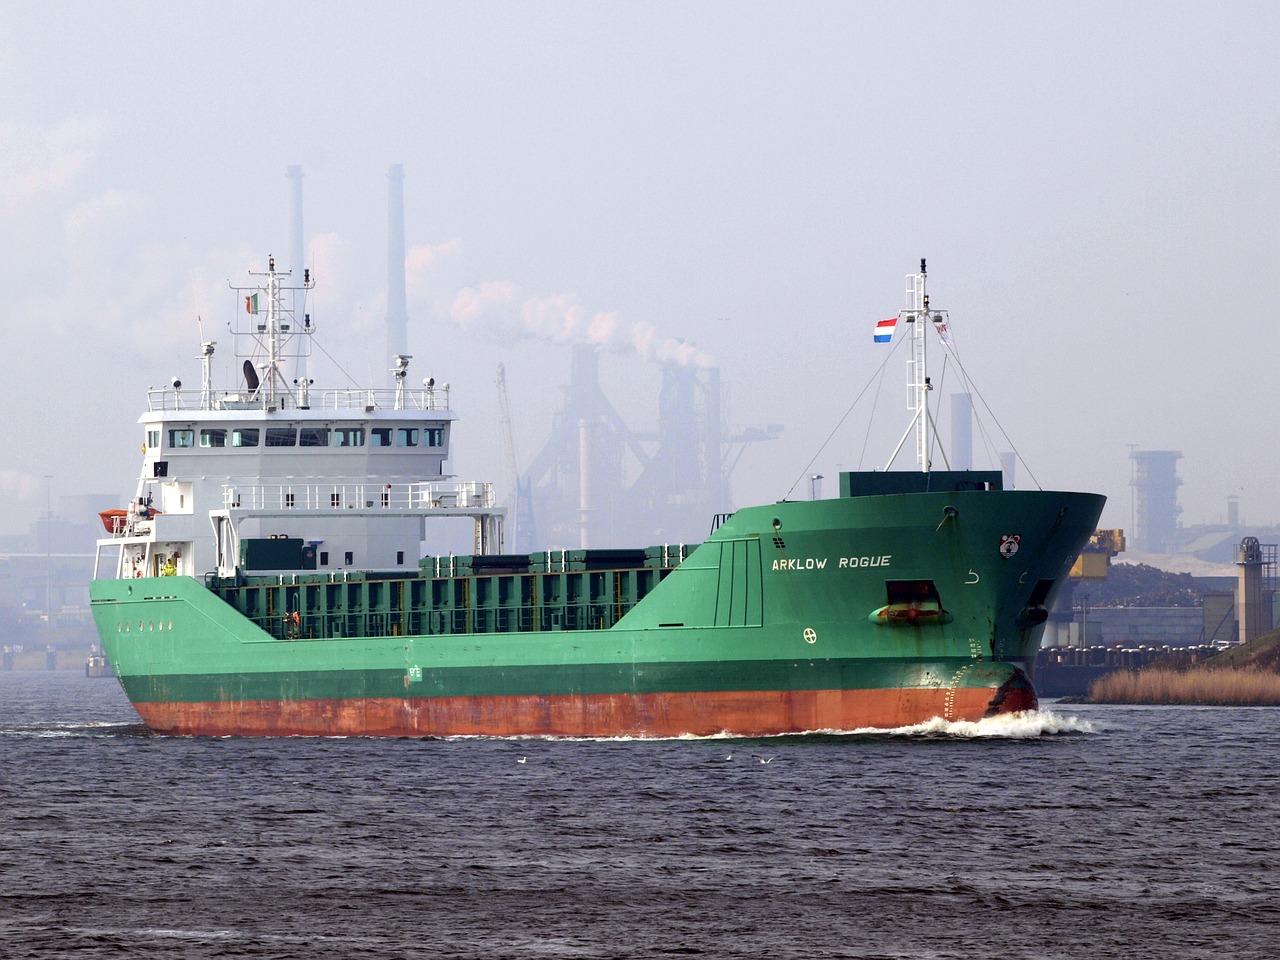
(397, 311)
(1252, 612)
(293, 173)
(961, 431)
(297, 253)
(1008, 466)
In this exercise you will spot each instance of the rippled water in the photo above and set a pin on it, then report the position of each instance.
(1090, 832)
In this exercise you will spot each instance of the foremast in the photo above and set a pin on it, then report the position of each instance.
(918, 316)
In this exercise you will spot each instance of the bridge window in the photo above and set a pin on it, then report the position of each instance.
(153, 439)
(407, 437)
(380, 437)
(281, 437)
(182, 438)
(348, 437)
(244, 437)
(434, 436)
(213, 438)
(313, 437)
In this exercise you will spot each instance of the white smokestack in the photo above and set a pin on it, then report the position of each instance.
(297, 254)
(961, 431)
(1008, 464)
(397, 311)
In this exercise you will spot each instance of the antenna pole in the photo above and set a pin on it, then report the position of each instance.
(273, 330)
(917, 316)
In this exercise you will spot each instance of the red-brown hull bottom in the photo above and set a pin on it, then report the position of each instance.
(751, 713)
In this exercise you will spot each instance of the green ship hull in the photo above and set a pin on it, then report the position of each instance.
(868, 610)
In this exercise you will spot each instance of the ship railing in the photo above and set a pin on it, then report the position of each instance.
(169, 398)
(384, 399)
(719, 519)
(413, 497)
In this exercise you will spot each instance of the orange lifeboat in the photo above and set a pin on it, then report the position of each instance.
(113, 520)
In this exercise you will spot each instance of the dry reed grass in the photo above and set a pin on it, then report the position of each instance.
(1228, 686)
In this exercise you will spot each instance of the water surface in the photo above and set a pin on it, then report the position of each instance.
(1093, 832)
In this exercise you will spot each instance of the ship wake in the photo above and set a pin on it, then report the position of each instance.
(1024, 725)
(60, 729)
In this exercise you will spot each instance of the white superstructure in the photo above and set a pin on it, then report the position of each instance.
(345, 478)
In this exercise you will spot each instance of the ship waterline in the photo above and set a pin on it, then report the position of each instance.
(737, 713)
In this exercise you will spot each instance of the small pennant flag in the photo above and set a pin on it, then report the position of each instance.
(251, 303)
(884, 329)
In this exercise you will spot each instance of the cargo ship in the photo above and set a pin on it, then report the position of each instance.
(274, 574)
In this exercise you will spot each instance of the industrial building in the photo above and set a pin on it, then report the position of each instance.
(599, 482)
(1155, 499)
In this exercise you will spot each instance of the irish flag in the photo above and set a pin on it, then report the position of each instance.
(251, 303)
(884, 329)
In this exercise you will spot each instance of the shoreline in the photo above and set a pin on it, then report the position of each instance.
(1227, 686)
(34, 659)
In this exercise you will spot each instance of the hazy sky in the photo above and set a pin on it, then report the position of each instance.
(1093, 184)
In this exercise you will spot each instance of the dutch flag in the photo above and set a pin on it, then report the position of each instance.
(884, 329)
